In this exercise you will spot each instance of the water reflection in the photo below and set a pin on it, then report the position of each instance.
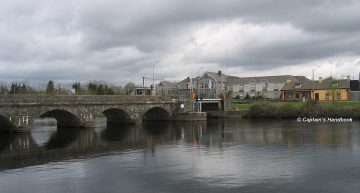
(43, 129)
(5, 140)
(115, 132)
(47, 143)
(62, 138)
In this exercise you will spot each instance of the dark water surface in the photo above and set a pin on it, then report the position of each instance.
(214, 156)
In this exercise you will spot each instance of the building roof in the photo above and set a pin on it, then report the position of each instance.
(169, 84)
(188, 80)
(272, 79)
(317, 85)
(217, 76)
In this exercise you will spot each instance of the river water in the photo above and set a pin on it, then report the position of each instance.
(213, 156)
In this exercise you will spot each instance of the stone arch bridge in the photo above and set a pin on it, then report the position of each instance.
(17, 112)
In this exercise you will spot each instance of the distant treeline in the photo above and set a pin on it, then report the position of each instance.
(76, 88)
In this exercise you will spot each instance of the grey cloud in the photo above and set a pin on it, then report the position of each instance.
(82, 33)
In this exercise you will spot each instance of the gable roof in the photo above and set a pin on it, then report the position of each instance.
(272, 79)
(310, 85)
(168, 84)
(217, 78)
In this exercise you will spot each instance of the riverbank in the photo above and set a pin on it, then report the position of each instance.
(308, 109)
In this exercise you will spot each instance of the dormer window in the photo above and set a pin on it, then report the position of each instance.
(334, 84)
(264, 85)
(276, 87)
(298, 85)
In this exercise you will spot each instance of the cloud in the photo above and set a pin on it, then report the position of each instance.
(118, 41)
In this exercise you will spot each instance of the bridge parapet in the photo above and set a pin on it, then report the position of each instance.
(19, 111)
(89, 99)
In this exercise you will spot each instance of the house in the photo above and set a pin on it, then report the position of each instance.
(268, 87)
(212, 85)
(186, 89)
(167, 89)
(142, 91)
(320, 90)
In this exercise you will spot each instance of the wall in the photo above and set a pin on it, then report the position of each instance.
(355, 95)
(322, 93)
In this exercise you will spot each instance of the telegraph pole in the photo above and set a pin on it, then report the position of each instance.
(227, 63)
(154, 76)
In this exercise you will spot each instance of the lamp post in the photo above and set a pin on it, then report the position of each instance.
(197, 87)
(154, 76)
(313, 79)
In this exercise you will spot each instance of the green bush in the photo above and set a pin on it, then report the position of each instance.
(309, 109)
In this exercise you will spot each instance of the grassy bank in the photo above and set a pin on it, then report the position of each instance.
(247, 106)
(301, 109)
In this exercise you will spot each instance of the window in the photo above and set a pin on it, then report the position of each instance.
(202, 85)
(276, 95)
(276, 87)
(252, 86)
(264, 85)
(338, 96)
(334, 84)
(241, 88)
(327, 96)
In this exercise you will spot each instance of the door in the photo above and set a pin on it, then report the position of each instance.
(317, 96)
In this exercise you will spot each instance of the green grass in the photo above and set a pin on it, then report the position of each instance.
(245, 106)
(241, 106)
(341, 104)
(300, 109)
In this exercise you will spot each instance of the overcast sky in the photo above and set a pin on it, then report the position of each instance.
(120, 40)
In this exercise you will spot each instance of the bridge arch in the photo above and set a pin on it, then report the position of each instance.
(64, 118)
(116, 115)
(156, 114)
(5, 124)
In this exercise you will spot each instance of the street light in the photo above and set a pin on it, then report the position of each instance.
(154, 76)
(312, 94)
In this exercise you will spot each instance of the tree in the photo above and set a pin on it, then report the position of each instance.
(77, 87)
(3, 88)
(50, 88)
(23, 89)
(92, 88)
(129, 88)
(101, 90)
(333, 90)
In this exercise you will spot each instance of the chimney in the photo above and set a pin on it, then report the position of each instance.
(348, 78)
(320, 79)
(219, 72)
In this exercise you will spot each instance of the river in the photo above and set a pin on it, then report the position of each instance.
(213, 156)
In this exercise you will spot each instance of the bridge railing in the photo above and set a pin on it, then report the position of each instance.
(29, 98)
